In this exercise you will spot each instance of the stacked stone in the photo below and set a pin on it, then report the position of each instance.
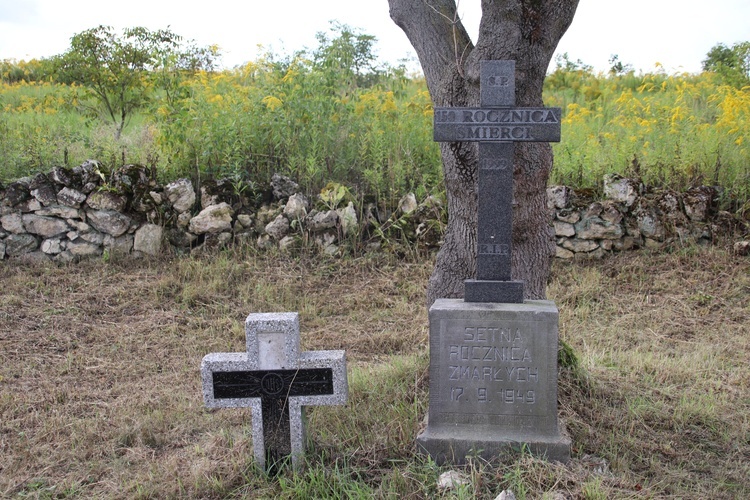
(629, 218)
(71, 213)
(67, 214)
(295, 220)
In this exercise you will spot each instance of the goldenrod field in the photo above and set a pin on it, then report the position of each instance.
(374, 135)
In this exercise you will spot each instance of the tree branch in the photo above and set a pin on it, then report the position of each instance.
(438, 37)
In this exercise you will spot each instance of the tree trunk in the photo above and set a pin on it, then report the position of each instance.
(528, 32)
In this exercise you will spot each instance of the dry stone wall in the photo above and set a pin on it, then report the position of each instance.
(630, 217)
(67, 214)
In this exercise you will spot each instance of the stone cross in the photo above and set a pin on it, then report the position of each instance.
(497, 124)
(276, 381)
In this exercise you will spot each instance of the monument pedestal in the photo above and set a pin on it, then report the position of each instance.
(493, 381)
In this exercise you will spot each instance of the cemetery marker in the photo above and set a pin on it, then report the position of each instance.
(276, 381)
(493, 356)
(497, 124)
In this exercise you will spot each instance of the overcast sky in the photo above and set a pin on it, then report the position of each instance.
(675, 33)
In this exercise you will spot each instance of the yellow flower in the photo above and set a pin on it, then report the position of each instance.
(388, 103)
(272, 102)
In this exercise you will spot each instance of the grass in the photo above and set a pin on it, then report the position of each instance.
(100, 388)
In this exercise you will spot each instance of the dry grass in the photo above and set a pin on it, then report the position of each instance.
(665, 342)
(100, 388)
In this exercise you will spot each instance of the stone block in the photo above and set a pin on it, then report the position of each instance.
(278, 228)
(70, 197)
(297, 206)
(700, 202)
(121, 245)
(563, 253)
(282, 186)
(621, 190)
(564, 228)
(408, 203)
(594, 228)
(107, 200)
(46, 194)
(319, 221)
(493, 381)
(80, 248)
(51, 246)
(148, 239)
(62, 211)
(576, 245)
(212, 219)
(180, 194)
(558, 197)
(13, 223)
(570, 216)
(109, 221)
(19, 244)
(46, 227)
(348, 219)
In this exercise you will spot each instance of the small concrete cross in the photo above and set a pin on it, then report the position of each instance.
(276, 381)
(496, 125)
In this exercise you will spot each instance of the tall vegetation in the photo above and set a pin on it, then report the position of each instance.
(326, 116)
(119, 71)
(731, 64)
(669, 130)
(333, 115)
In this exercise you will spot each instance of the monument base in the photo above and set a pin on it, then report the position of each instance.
(493, 381)
(452, 445)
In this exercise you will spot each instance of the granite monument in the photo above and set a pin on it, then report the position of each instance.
(493, 355)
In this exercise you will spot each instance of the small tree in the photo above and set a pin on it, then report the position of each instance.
(617, 67)
(731, 64)
(348, 57)
(119, 71)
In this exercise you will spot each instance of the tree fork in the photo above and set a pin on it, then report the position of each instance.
(528, 32)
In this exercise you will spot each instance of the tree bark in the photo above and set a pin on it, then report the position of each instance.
(528, 32)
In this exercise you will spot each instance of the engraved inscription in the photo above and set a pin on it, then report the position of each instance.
(496, 164)
(491, 366)
(456, 393)
(488, 353)
(505, 395)
(491, 334)
(510, 133)
(493, 373)
(499, 81)
(509, 116)
(493, 249)
(515, 396)
(272, 383)
(497, 124)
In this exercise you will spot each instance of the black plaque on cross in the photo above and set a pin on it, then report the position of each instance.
(497, 125)
(274, 388)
